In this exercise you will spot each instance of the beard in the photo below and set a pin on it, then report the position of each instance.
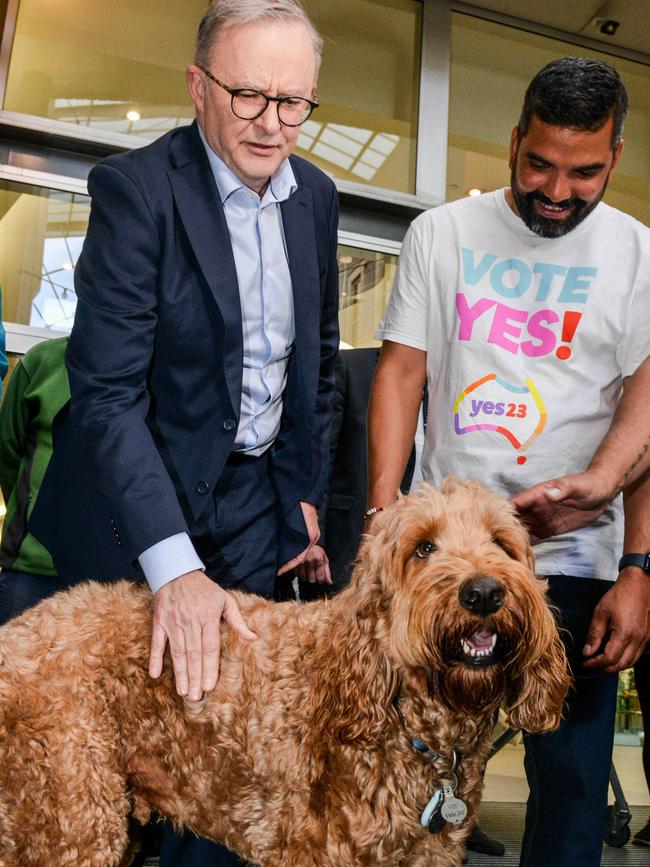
(544, 226)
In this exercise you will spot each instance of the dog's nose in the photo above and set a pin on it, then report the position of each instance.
(481, 595)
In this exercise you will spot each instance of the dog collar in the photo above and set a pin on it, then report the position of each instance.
(443, 806)
(433, 756)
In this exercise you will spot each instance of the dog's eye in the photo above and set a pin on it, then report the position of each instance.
(425, 548)
(505, 547)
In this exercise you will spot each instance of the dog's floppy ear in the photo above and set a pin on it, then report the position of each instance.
(535, 696)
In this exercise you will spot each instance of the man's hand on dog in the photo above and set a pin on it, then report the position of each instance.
(187, 612)
(620, 626)
(561, 505)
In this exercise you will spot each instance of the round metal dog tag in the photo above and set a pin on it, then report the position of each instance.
(453, 809)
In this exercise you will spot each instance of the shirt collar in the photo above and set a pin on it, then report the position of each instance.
(281, 184)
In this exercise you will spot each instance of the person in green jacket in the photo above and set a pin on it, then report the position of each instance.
(37, 390)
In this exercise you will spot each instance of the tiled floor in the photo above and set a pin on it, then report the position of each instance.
(504, 822)
(505, 779)
(506, 791)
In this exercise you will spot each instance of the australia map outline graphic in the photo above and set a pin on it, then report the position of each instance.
(491, 403)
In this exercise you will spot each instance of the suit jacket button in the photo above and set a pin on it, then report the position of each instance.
(202, 488)
(229, 424)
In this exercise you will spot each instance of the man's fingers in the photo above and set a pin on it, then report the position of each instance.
(292, 564)
(157, 652)
(322, 569)
(233, 617)
(596, 633)
(616, 656)
(525, 499)
(211, 644)
(193, 652)
(327, 575)
(176, 638)
(610, 655)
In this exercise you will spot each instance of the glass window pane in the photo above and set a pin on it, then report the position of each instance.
(120, 67)
(91, 63)
(365, 129)
(490, 69)
(365, 281)
(41, 233)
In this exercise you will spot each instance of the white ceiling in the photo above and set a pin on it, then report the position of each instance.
(583, 17)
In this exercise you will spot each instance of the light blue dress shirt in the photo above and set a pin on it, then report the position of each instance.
(257, 239)
(268, 331)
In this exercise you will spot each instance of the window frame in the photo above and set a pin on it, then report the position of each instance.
(431, 136)
(22, 337)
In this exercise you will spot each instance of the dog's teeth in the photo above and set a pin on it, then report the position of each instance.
(465, 645)
(493, 642)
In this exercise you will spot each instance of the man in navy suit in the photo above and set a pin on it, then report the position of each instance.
(201, 359)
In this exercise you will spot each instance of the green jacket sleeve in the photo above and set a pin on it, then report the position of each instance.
(13, 430)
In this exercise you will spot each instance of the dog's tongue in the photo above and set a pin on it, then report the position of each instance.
(481, 639)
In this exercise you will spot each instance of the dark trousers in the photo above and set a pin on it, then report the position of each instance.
(22, 590)
(568, 770)
(240, 551)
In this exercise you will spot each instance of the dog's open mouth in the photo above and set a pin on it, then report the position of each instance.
(479, 648)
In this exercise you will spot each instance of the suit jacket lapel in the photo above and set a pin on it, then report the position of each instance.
(298, 224)
(200, 209)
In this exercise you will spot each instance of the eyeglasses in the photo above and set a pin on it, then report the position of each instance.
(247, 104)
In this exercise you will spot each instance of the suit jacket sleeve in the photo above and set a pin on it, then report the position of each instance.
(108, 358)
(338, 410)
(329, 344)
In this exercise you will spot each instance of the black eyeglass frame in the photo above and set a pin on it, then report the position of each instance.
(281, 100)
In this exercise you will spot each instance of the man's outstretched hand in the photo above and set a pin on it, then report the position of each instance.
(560, 505)
(187, 612)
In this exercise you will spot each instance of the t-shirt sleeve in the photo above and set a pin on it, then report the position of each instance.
(405, 320)
(635, 347)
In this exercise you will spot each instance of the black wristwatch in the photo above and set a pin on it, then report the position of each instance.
(640, 560)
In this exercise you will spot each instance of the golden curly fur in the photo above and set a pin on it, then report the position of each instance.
(302, 755)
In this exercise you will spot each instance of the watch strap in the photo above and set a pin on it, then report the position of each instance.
(642, 561)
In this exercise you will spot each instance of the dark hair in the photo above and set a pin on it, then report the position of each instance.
(576, 92)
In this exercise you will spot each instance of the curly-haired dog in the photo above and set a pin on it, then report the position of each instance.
(324, 741)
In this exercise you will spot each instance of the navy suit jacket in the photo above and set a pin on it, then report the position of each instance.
(155, 360)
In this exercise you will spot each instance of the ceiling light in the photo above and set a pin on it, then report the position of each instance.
(474, 192)
(133, 116)
(608, 27)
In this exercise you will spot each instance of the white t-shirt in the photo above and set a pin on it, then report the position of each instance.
(527, 342)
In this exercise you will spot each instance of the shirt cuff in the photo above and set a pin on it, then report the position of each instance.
(168, 559)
